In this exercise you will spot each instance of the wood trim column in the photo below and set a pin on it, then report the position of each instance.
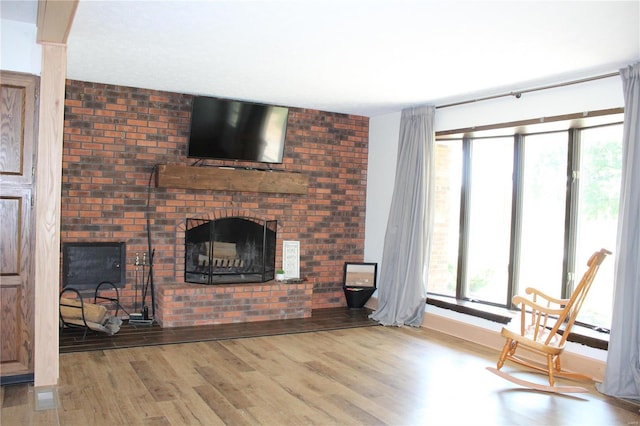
(47, 212)
(54, 23)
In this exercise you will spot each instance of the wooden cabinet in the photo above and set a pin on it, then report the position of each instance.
(18, 100)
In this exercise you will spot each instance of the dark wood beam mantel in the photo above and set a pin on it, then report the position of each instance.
(230, 179)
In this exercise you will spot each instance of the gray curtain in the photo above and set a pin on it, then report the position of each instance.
(622, 373)
(402, 291)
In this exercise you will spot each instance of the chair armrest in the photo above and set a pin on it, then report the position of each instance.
(520, 300)
(535, 318)
(546, 297)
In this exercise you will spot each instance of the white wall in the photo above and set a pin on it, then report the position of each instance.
(383, 145)
(18, 48)
(577, 98)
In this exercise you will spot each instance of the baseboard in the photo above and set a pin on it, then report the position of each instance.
(16, 379)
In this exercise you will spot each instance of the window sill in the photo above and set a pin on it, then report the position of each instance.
(580, 334)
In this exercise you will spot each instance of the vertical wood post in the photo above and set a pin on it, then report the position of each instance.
(47, 211)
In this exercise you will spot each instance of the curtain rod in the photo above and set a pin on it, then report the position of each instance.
(519, 93)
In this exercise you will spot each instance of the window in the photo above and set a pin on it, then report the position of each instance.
(488, 220)
(527, 210)
(446, 227)
(543, 210)
(600, 173)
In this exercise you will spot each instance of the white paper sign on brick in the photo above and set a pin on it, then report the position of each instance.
(291, 259)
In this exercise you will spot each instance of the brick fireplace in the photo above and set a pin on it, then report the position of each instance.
(115, 136)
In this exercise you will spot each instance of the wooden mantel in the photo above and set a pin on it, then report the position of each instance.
(230, 179)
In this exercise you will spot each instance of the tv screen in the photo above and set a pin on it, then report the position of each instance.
(234, 130)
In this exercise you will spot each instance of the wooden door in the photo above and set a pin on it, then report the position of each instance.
(17, 128)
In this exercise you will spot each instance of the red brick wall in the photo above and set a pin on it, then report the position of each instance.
(113, 137)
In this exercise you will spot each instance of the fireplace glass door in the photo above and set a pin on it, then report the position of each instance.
(229, 250)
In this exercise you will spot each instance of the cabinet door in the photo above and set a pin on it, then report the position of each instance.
(18, 130)
(16, 295)
(17, 118)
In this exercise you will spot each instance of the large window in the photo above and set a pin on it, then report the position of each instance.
(488, 222)
(543, 212)
(443, 273)
(527, 210)
(600, 172)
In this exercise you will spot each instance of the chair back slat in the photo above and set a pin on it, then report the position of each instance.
(573, 305)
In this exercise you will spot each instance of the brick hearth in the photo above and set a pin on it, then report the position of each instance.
(181, 305)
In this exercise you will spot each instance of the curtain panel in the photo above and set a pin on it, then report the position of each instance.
(402, 291)
(622, 372)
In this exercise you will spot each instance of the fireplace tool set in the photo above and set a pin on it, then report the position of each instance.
(142, 285)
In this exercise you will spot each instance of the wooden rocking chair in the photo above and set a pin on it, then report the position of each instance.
(545, 323)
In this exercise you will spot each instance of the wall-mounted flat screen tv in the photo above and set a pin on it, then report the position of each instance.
(234, 130)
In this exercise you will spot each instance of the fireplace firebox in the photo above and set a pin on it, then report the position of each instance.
(229, 250)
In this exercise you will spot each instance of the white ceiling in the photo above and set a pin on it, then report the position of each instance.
(365, 57)
(19, 10)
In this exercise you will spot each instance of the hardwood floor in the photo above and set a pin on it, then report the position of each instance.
(356, 376)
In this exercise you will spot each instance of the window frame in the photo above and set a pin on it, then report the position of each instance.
(572, 124)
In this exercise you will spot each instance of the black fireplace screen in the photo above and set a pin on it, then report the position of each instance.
(85, 265)
(229, 250)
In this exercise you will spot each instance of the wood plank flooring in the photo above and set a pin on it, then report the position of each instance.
(356, 376)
